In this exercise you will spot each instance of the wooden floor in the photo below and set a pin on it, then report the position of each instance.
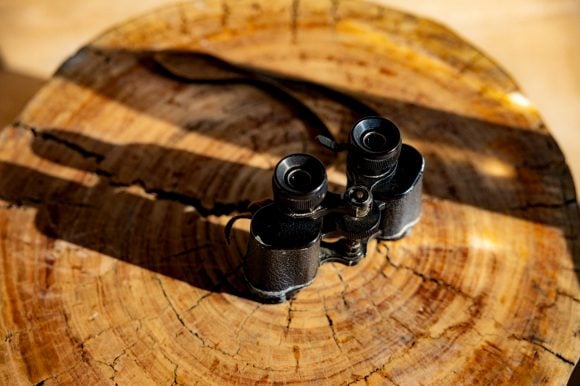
(537, 41)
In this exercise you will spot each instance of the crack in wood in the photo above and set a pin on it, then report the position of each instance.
(44, 135)
(462, 327)
(201, 299)
(178, 315)
(424, 277)
(225, 15)
(296, 351)
(130, 321)
(567, 295)
(400, 323)
(344, 286)
(332, 329)
(534, 341)
(175, 367)
(24, 202)
(200, 339)
(113, 364)
(57, 375)
(334, 16)
(243, 323)
(217, 209)
(174, 382)
(289, 317)
(215, 287)
(543, 205)
(366, 376)
(294, 20)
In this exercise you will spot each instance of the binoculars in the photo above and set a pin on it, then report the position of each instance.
(305, 225)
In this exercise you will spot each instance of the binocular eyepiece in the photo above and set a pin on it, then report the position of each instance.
(374, 147)
(288, 234)
(299, 183)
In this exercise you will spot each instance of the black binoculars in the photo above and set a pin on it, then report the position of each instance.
(305, 225)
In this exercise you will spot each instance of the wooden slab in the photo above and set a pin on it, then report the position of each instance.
(117, 180)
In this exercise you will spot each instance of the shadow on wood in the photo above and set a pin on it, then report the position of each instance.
(158, 234)
(509, 166)
(509, 170)
(507, 163)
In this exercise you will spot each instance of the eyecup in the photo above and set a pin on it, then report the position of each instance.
(374, 146)
(299, 183)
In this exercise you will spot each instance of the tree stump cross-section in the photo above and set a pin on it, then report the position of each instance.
(118, 178)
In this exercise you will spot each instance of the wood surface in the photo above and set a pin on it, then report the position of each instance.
(536, 40)
(117, 180)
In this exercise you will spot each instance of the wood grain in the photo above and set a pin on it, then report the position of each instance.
(117, 180)
(536, 40)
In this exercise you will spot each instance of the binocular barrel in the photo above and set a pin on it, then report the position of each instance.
(382, 199)
(284, 248)
(393, 171)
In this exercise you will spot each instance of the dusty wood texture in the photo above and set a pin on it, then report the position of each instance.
(117, 180)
